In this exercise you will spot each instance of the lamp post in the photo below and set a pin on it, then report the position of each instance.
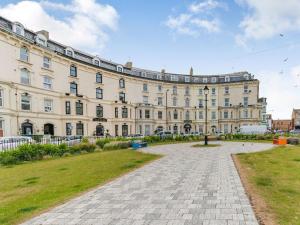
(167, 109)
(206, 91)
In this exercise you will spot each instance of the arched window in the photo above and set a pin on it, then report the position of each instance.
(25, 76)
(121, 83)
(24, 54)
(18, 29)
(187, 102)
(69, 52)
(120, 68)
(96, 61)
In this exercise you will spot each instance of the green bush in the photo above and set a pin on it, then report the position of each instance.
(88, 147)
(101, 142)
(8, 159)
(116, 145)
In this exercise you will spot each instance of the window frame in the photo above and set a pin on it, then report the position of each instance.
(48, 108)
(1, 97)
(47, 85)
(68, 107)
(79, 108)
(72, 88)
(99, 111)
(99, 93)
(28, 103)
(25, 71)
(73, 70)
(46, 65)
(24, 54)
(99, 78)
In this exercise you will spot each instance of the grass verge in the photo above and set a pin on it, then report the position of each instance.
(29, 189)
(205, 146)
(253, 141)
(274, 176)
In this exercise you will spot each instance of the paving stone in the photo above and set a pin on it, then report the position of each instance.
(188, 186)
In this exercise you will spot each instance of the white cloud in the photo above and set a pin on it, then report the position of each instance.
(281, 90)
(197, 18)
(197, 7)
(84, 24)
(267, 18)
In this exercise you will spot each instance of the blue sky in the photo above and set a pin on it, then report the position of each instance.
(212, 36)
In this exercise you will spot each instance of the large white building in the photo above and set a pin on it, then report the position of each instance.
(49, 88)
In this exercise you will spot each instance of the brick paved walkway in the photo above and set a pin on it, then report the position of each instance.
(187, 186)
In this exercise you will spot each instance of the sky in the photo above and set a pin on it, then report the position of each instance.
(212, 36)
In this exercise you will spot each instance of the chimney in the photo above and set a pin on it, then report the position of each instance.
(44, 32)
(128, 65)
(191, 71)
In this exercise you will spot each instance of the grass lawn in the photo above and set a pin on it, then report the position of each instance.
(28, 189)
(275, 176)
(205, 146)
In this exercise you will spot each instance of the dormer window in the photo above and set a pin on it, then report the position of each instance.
(96, 61)
(246, 76)
(18, 29)
(205, 80)
(227, 79)
(120, 68)
(213, 79)
(187, 79)
(69, 52)
(41, 39)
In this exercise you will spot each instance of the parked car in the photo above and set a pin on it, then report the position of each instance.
(164, 134)
(295, 131)
(72, 140)
(13, 142)
(138, 136)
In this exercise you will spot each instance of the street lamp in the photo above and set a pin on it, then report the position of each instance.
(167, 109)
(206, 91)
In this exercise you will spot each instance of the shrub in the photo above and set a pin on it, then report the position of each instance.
(116, 145)
(8, 159)
(85, 140)
(88, 147)
(101, 142)
(293, 141)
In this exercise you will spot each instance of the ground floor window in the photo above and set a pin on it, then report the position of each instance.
(225, 128)
(68, 129)
(116, 130)
(99, 130)
(79, 129)
(27, 128)
(147, 130)
(124, 130)
(49, 129)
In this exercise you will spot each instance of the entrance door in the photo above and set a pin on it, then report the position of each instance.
(187, 128)
(27, 128)
(49, 129)
(99, 130)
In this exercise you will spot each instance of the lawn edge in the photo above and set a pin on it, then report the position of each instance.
(90, 189)
(258, 203)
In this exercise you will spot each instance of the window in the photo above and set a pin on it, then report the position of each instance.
(116, 130)
(213, 102)
(46, 62)
(68, 129)
(97, 62)
(246, 88)
(213, 115)
(41, 39)
(47, 82)
(174, 90)
(24, 54)
(159, 88)
(116, 112)
(226, 115)
(124, 112)
(201, 115)
(69, 53)
(1, 98)
(73, 88)
(200, 91)
(68, 107)
(122, 97)
(187, 91)
(120, 69)
(18, 29)
(186, 79)
(48, 105)
(25, 102)
(99, 78)
(213, 79)
(25, 76)
(121, 83)
(79, 108)
(246, 101)
(205, 80)
(174, 101)
(79, 129)
(73, 71)
(226, 102)
(145, 87)
(159, 114)
(175, 114)
(187, 115)
(226, 90)
(145, 99)
(245, 113)
(213, 91)
(147, 114)
(99, 93)
(225, 128)
(187, 102)
(159, 101)
(99, 111)
(200, 103)
(141, 114)
(227, 79)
